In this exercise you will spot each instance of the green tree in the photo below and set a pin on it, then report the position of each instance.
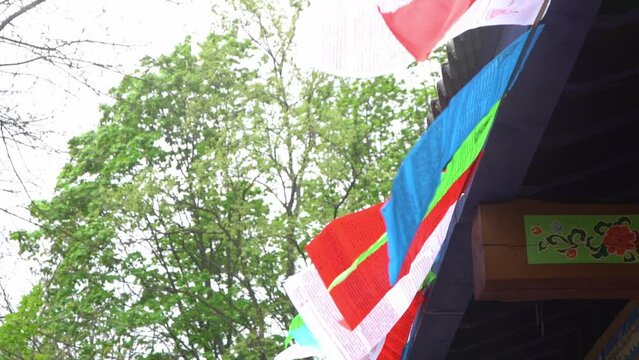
(176, 221)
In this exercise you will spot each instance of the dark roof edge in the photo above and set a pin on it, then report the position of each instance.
(518, 128)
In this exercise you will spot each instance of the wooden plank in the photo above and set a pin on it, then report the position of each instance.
(510, 263)
(506, 220)
(500, 262)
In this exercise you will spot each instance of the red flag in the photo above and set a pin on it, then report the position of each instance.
(351, 38)
(420, 24)
(398, 336)
(345, 239)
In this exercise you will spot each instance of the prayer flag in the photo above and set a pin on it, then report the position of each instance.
(351, 240)
(344, 240)
(398, 336)
(365, 38)
(419, 174)
(420, 24)
(390, 348)
(312, 300)
(361, 290)
(297, 351)
(496, 12)
(347, 38)
(347, 310)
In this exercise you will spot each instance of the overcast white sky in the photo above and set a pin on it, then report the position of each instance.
(150, 27)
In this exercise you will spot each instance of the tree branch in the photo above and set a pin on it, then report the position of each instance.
(21, 11)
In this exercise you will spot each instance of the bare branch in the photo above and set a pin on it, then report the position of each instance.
(21, 11)
(6, 299)
(23, 62)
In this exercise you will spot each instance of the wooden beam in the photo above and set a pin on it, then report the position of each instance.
(503, 272)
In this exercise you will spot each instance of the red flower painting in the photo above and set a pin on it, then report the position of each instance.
(571, 253)
(619, 239)
(536, 230)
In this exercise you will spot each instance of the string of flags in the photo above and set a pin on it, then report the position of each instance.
(361, 294)
(366, 38)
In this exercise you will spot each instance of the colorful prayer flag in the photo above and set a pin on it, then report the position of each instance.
(310, 297)
(496, 12)
(343, 240)
(348, 308)
(347, 38)
(420, 24)
(351, 240)
(361, 290)
(398, 336)
(366, 38)
(419, 174)
(297, 351)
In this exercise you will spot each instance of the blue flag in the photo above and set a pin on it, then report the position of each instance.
(420, 172)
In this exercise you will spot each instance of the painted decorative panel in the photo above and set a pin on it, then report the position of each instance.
(585, 239)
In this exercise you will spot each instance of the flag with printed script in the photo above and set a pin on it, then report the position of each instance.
(310, 297)
(351, 254)
(390, 348)
(346, 302)
(365, 38)
(418, 180)
(420, 24)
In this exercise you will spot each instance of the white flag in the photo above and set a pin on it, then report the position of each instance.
(351, 38)
(312, 300)
(496, 12)
(297, 351)
(347, 38)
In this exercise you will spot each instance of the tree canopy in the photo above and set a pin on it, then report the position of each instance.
(175, 222)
